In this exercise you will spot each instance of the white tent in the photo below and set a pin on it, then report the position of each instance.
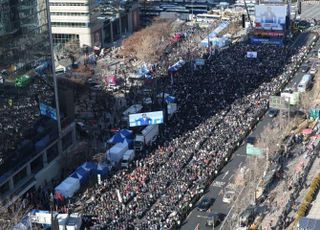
(68, 187)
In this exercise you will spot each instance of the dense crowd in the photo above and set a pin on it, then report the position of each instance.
(19, 110)
(218, 105)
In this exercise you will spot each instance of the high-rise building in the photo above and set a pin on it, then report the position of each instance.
(33, 134)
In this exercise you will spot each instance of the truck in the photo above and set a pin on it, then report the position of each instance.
(147, 137)
(127, 158)
(305, 83)
(136, 108)
(116, 152)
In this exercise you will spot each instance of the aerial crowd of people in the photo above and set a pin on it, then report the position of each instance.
(218, 105)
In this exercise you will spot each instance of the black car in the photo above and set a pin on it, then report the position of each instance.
(304, 68)
(251, 140)
(205, 204)
(215, 219)
(272, 112)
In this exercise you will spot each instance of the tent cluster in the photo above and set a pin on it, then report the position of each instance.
(122, 136)
(80, 177)
(213, 40)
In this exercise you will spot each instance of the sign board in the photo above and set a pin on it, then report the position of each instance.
(253, 151)
(291, 98)
(252, 54)
(48, 111)
(277, 102)
(200, 61)
(270, 17)
(150, 118)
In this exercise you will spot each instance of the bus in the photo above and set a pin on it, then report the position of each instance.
(305, 83)
(207, 17)
(319, 53)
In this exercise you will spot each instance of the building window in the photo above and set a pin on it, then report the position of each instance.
(67, 141)
(20, 176)
(69, 14)
(37, 164)
(67, 4)
(64, 38)
(70, 24)
(4, 188)
(52, 153)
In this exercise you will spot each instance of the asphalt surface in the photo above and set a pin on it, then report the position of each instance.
(310, 10)
(197, 218)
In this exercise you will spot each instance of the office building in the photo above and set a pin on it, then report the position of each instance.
(33, 134)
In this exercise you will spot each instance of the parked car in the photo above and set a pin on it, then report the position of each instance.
(272, 112)
(228, 196)
(247, 217)
(215, 219)
(251, 140)
(304, 68)
(205, 204)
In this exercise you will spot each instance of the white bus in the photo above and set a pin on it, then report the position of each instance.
(319, 53)
(305, 83)
(207, 17)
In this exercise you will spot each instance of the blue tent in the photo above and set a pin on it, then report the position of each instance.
(170, 99)
(83, 173)
(117, 138)
(90, 166)
(102, 169)
(127, 133)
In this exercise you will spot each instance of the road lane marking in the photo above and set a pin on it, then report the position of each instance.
(218, 184)
(226, 173)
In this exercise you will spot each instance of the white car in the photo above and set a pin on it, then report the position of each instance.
(228, 196)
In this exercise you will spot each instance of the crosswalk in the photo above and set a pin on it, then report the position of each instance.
(218, 184)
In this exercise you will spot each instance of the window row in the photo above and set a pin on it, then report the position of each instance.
(70, 24)
(67, 4)
(69, 14)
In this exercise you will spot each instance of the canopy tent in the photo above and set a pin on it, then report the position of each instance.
(102, 169)
(176, 66)
(82, 175)
(117, 138)
(68, 187)
(90, 166)
(128, 142)
(111, 80)
(127, 133)
(120, 136)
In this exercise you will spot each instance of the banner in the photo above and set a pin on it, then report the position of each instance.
(270, 17)
(48, 111)
(150, 118)
(252, 54)
(268, 33)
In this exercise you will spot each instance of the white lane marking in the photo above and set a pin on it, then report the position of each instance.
(226, 173)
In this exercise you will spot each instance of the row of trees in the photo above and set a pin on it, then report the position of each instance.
(149, 44)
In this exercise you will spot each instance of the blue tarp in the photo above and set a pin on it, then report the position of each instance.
(117, 138)
(102, 169)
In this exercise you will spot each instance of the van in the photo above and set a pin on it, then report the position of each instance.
(305, 83)
(127, 158)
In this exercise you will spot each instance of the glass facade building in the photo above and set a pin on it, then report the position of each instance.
(28, 94)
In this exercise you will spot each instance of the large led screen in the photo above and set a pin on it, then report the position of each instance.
(150, 118)
(270, 17)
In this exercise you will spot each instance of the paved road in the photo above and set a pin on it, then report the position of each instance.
(237, 160)
(310, 10)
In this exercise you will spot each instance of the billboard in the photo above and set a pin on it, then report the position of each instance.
(150, 118)
(48, 111)
(270, 17)
(269, 33)
(252, 54)
(270, 41)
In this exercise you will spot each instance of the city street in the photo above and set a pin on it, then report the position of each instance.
(197, 218)
(310, 10)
